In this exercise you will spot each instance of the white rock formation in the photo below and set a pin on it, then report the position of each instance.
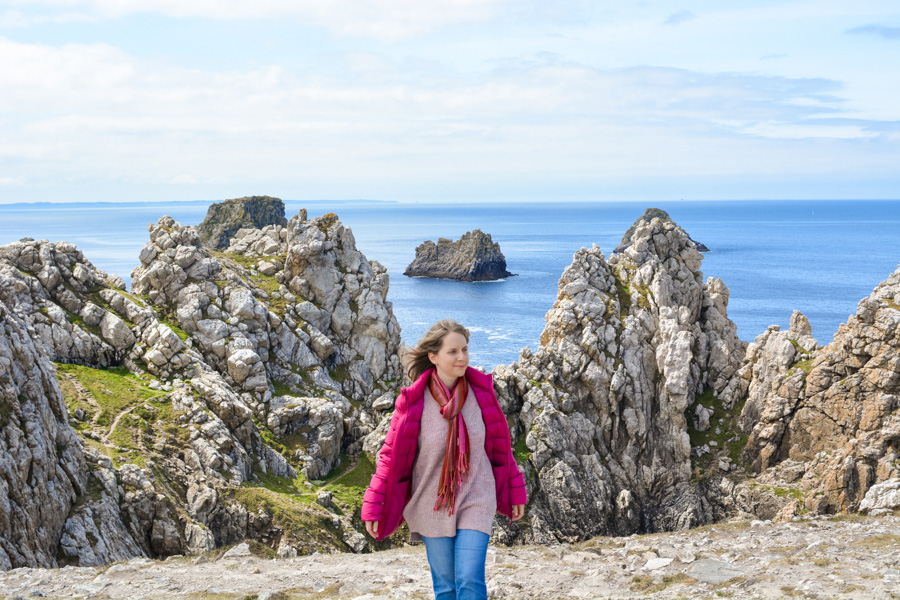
(826, 419)
(215, 339)
(601, 404)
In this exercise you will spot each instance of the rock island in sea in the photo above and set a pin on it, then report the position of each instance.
(473, 257)
(224, 219)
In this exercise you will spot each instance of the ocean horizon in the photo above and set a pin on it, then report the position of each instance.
(817, 256)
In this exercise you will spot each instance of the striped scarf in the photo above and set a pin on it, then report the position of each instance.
(456, 457)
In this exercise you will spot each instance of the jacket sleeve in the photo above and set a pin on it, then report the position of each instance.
(517, 492)
(374, 498)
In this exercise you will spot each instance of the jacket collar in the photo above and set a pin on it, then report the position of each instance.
(479, 379)
(418, 387)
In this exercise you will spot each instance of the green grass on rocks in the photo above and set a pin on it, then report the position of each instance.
(113, 389)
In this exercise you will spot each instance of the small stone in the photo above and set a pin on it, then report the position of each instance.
(657, 563)
(325, 498)
(667, 551)
(384, 402)
(267, 268)
(238, 551)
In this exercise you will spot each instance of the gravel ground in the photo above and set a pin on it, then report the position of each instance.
(840, 557)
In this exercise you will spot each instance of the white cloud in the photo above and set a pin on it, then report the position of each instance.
(380, 19)
(93, 112)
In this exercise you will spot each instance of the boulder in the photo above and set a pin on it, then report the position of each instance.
(884, 496)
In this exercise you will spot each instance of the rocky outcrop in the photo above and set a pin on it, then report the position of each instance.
(825, 421)
(600, 409)
(224, 219)
(318, 325)
(42, 466)
(649, 215)
(473, 257)
(240, 378)
(65, 299)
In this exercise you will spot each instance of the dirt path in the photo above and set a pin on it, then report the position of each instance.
(84, 395)
(105, 438)
(352, 466)
(349, 470)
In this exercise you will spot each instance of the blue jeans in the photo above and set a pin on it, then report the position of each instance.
(457, 565)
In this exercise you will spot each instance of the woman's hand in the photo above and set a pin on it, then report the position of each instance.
(518, 512)
(372, 528)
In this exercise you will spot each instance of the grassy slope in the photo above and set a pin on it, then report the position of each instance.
(147, 427)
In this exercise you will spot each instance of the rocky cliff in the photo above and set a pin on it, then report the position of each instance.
(208, 403)
(601, 410)
(224, 219)
(42, 466)
(825, 422)
(473, 257)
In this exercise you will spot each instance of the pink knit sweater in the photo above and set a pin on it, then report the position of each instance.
(476, 501)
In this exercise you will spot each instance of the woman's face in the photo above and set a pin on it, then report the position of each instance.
(453, 357)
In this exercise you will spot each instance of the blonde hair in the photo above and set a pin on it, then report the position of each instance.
(416, 358)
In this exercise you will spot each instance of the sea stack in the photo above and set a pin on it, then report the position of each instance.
(649, 215)
(474, 257)
(224, 219)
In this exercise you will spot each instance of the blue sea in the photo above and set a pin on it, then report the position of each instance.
(819, 257)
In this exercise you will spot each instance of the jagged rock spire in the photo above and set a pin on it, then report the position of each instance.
(629, 343)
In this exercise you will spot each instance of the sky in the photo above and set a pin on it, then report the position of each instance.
(449, 101)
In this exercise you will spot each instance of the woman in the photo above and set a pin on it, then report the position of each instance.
(446, 465)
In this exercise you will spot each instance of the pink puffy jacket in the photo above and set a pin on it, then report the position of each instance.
(389, 490)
